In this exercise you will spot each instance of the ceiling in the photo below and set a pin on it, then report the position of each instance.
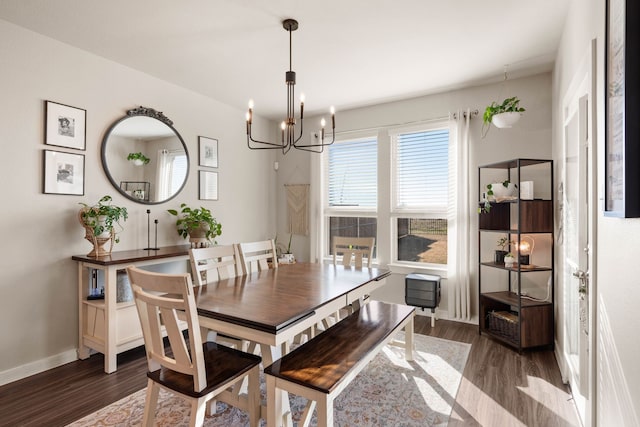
(347, 53)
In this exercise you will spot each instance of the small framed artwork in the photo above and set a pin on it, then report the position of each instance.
(208, 185)
(63, 173)
(65, 126)
(622, 152)
(208, 151)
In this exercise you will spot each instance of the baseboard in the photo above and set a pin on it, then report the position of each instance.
(32, 368)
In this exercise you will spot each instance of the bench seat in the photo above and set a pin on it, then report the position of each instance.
(321, 368)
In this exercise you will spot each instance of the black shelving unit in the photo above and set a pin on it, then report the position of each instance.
(507, 314)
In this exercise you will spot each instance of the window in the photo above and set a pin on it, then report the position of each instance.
(351, 189)
(390, 184)
(420, 168)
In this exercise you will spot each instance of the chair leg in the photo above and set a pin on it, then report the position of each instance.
(151, 403)
(198, 409)
(253, 392)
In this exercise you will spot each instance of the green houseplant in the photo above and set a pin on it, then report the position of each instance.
(502, 243)
(100, 221)
(198, 224)
(138, 158)
(490, 194)
(501, 115)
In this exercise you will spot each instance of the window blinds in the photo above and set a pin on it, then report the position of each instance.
(352, 174)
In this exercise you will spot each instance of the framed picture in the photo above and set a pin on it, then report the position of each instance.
(208, 151)
(622, 101)
(63, 173)
(65, 126)
(208, 185)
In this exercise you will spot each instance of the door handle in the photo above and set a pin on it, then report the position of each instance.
(582, 276)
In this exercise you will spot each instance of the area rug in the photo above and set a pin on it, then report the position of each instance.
(389, 392)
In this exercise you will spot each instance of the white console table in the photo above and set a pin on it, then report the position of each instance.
(105, 325)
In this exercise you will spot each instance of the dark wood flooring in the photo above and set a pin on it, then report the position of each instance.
(499, 388)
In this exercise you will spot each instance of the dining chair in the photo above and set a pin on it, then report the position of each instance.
(258, 256)
(208, 265)
(353, 250)
(215, 263)
(196, 371)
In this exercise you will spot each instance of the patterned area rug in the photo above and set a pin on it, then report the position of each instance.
(389, 392)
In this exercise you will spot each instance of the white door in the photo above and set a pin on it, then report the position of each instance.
(576, 198)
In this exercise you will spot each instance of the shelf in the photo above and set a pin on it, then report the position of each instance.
(511, 299)
(524, 268)
(512, 164)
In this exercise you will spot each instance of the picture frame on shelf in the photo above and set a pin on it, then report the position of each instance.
(63, 173)
(208, 152)
(208, 183)
(65, 126)
(622, 154)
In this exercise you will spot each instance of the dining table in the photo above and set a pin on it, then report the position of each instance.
(271, 307)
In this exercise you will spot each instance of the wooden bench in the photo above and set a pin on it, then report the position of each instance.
(321, 368)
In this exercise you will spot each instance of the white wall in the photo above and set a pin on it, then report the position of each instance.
(40, 232)
(530, 138)
(617, 270)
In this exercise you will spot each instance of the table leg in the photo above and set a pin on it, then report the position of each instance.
(278, 407)
(408, 340)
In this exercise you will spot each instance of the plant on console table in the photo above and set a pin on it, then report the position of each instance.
(101, 221)
(198, 224)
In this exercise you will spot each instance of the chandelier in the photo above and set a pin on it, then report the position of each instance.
(288, 126)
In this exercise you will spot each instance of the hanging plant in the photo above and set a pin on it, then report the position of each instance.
(138, 159)
(502, 115)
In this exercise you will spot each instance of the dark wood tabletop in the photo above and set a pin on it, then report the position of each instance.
(134, 255)
(274, 299)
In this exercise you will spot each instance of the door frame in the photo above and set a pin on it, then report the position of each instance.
(586, 69)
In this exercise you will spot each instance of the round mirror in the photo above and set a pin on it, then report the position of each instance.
(144, 157)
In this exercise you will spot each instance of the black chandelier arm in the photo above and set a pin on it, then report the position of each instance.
(270, 145)
(321, 144)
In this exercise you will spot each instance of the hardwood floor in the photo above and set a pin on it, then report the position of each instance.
(499, 387)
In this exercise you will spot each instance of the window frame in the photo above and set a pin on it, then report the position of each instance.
(345, 211)
(396, 213)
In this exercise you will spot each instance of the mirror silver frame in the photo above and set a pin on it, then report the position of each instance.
(153, 114)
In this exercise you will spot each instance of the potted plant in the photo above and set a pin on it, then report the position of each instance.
(138, 159)
(502, 115)
(285, 254)
(497, 190)
(199, 224)
(509, 260)
(100, 221)
(502, 243)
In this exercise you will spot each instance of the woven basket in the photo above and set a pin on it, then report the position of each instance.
(504, 324)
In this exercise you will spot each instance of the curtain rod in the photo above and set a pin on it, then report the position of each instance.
(474, 113)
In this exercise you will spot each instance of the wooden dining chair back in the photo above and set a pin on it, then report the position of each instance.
(215, 263)
(354, 250)
(195, 370)
(258, 256)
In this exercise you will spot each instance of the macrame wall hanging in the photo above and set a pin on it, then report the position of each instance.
(298, 208)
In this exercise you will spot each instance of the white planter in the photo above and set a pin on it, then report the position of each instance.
(509, 261)
(500, 191)
(138, 162)
(505, 120)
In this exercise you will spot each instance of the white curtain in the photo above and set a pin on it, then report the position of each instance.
(164, 173)
(458, 278)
